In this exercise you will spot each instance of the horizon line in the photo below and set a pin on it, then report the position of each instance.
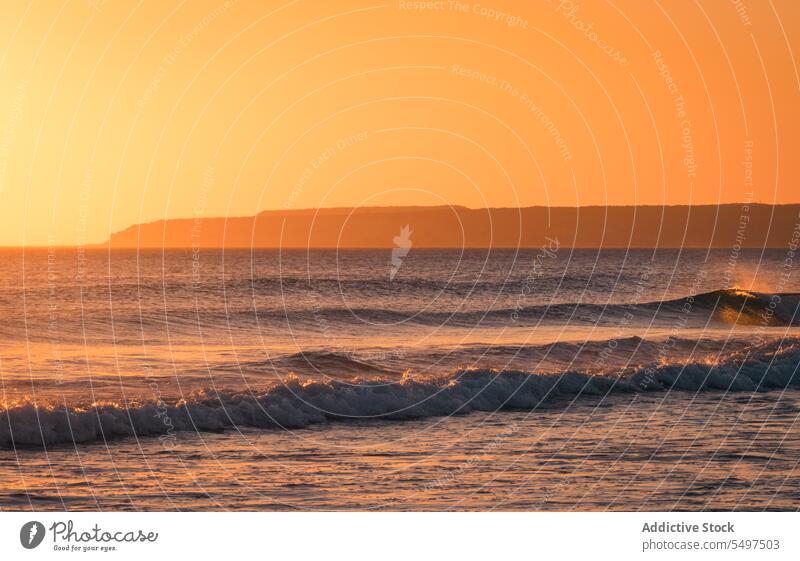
(106, 243)
(107, 247)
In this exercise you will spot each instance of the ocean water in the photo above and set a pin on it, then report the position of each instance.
(537, 379)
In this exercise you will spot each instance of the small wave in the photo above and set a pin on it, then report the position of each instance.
(623, 348)
(721, 307)
(296, 403)
(318, 361)
(729, 306)
(743, 307)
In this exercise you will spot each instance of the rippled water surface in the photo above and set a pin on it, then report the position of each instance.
(623, 453)
(537, 379)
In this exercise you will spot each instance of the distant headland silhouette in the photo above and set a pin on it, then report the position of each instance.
(697, 226)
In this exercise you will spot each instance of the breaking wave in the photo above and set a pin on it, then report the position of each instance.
(296, 403)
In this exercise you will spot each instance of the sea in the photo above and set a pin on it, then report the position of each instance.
(547, 378)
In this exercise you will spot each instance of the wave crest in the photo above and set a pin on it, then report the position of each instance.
(296, 403)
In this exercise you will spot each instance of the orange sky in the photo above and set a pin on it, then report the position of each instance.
(114, 112)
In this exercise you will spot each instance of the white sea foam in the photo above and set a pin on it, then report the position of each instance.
(296, 403)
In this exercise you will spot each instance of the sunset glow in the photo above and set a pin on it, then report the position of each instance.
(116, 113)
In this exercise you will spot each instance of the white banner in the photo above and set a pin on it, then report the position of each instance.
(401, 536)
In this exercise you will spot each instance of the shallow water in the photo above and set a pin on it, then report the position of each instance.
(642, 452)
